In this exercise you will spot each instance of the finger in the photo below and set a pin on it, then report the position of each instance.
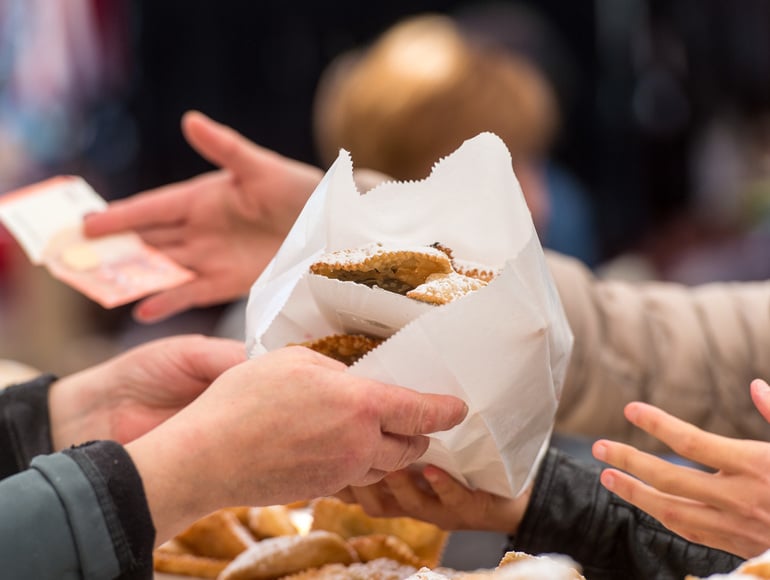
(407, 412)
(450, 492)
(397, 451)
(687, 440)
(374, 501)
(696, 522)
(413, 495)
(681, 515)
(760, 394)
(160, 237)
(154, 207)
(666, 477)
(372, 476)
(220, 144)
(346, 495)
(164, 205)
(173, 301)
(209, 357)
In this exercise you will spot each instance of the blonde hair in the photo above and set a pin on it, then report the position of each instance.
(420, 90)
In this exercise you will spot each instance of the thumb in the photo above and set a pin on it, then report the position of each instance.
(406, 412)
(219, 144)
(760, 394)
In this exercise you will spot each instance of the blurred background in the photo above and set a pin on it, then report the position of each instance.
(659, 167)
(664, 125)
(663, 142)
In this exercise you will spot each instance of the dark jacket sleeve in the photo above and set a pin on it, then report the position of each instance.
(571, 513)
(79, 514)
(24, 424)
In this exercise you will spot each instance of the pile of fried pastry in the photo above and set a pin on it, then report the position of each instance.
(326, 539)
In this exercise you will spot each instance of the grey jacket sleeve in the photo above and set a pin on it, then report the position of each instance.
(79, 514)
(571, 513)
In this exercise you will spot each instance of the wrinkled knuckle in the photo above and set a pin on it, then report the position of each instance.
(410, 451)
(749, 509)
(671, 518)
(424, 420)
(452, 499)
(686, 445)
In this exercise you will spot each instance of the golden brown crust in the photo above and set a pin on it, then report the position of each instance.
(284, 555)
(513, 556)
(270, 521)
(346, 348)
(218, 535)
(479, 274)
(444, 288)
(381, 569)
(349, 520)
(758, 569)
(376, 546)
(398, 270)
(188, 564)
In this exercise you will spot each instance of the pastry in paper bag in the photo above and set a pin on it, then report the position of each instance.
(503, 348)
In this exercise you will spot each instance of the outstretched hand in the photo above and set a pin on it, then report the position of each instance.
(127, 396)
(291, 424)
(225, 225)
(728, 509)
(432, 495)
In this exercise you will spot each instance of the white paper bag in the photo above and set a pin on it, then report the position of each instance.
(503, 348)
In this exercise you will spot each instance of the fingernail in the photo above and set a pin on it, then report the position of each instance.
(600, 451)
(762, 387)
(430, 475)
(632, 412)
(608, 480)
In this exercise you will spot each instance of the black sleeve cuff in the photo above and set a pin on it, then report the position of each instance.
(25, 429)
(119, 488)
(570, 512)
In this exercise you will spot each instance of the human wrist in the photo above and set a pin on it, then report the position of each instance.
(70, 402)
(175, 480)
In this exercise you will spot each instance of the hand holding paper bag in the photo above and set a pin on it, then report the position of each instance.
(503, 348)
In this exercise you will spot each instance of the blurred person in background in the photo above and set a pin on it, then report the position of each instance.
(422, 88)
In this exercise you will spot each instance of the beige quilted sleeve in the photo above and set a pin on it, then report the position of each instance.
(690, 350)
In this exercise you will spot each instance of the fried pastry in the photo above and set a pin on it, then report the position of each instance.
(376, 546)
(218, 535)
(523, 566)
(396, 270)
(284, 555)
(349, 520)
(270, 521)
(466, 268)
(188, 564)
(346, 348)
(380, 569)
(758, 569)
(444, 288)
